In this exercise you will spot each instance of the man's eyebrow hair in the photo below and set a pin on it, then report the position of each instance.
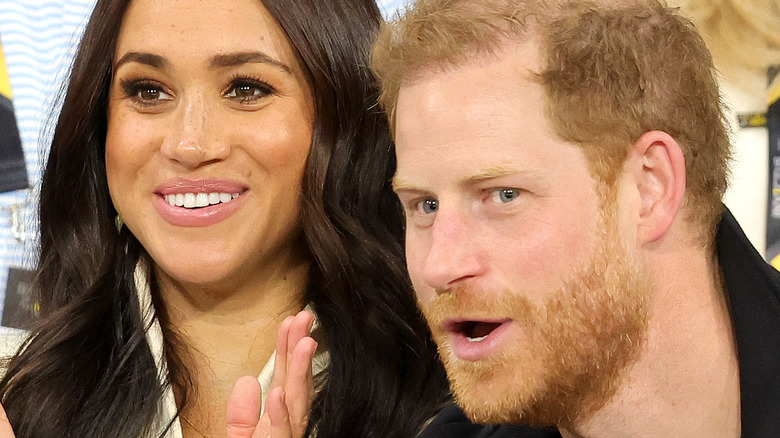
(490, 173)
(399, 184)
(239, 58)
(149, 59)
(481, 176)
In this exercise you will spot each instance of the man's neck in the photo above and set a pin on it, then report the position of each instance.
(686, 379)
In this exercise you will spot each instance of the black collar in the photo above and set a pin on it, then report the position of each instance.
(753, 290)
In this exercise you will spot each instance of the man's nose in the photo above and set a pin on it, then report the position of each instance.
(454, 255)
(194, 138)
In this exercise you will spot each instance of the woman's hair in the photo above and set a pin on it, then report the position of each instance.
(87, 370)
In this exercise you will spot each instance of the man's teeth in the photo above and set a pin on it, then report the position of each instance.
(196, 200)
(476, 339)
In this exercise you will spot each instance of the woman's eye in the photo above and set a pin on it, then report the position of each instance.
(505, 195)
(151, 93)
(146, 93)
(248, 91)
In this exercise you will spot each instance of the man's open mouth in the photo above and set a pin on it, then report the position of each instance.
(475, 331)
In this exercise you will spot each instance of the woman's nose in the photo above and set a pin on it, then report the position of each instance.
(193, 138)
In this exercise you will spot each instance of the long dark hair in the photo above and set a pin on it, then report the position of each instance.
(87, 371)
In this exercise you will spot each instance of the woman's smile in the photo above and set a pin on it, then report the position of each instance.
(199, 203)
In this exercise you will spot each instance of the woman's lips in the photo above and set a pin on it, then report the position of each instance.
(198, 203)
(205, 185)
(475, 340)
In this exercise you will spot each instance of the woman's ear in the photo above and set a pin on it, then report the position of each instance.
(659, 175)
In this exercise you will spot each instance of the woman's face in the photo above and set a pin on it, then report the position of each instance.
(209, 124)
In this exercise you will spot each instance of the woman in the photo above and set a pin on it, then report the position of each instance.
(221, 160)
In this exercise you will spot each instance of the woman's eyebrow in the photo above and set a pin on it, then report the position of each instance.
(149, 59)
(239, 58)
(218, 61)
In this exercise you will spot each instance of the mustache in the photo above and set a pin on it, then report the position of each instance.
(470, 303)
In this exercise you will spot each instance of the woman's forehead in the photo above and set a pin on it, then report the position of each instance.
(199, 29)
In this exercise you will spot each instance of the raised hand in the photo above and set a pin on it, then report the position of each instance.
(291, 393)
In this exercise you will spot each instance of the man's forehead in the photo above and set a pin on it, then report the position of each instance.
(433, 95)
(485, 101)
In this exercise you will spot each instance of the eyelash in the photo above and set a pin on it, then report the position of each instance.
(264, 88)
(496, 194)
(132, 89)
(417, 206)
(414, 211)
(433, 203)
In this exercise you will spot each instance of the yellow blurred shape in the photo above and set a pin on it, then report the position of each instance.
(776, 262)
(5, 81)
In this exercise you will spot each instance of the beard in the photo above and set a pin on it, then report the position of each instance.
(573, 349)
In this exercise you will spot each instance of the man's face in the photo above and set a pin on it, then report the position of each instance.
(515, 251)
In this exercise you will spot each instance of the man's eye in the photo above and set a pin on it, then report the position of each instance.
(505, 195)
(428, 206)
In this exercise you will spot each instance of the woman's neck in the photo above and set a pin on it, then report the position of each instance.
(217, 355)
(225, 335)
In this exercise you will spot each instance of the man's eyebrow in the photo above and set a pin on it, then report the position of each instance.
(475, 179)
(399, 184)
(490, 173)
(149, 59)
(240, 58)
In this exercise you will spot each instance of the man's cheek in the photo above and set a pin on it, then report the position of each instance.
(415, 263)
(425, 294)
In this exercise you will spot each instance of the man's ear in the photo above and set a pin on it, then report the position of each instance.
(659, 171)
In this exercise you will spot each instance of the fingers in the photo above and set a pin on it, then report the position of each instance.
(299, 390)
(276, 407)
(291, 393)
(288, 406)
(292, 330)
(292, 389)
(6, 431)
(300, 328)
(280, 367)
(243, 410)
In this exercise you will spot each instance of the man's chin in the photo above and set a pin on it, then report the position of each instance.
(486, 395)
(506, 405)
(504, 408)
(489, 412)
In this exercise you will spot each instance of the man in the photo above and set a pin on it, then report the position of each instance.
(561, 165)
